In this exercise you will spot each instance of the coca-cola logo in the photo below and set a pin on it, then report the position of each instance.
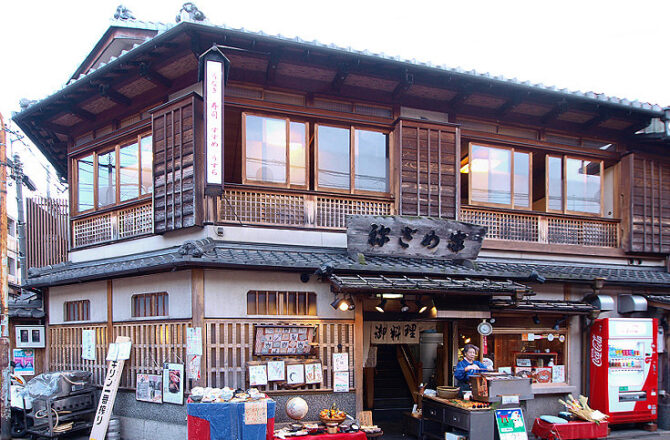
(597, 350)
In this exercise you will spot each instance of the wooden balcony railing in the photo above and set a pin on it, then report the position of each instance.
(304, 210)
(543, 228)
(113, 225)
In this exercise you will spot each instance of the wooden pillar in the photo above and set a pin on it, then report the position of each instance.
(47, 339)
(198, 317)
(446, 353)
(359, 362)
(110, 314)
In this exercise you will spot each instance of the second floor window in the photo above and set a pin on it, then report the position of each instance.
(77, 310)
(275, 150)
(150, 304)
(114, 175)
(574, 185)
(498, 176)
(352, 160)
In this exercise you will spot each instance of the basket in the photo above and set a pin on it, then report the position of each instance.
(446, 392)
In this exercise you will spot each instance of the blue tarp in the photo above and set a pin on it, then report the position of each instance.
(226, 420)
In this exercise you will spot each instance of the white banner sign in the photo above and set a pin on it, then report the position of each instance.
(214, 118)
(88, 345)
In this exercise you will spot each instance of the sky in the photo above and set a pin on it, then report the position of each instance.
(613, 47)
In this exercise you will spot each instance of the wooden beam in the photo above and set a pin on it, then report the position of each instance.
(340, 78)
(510, 105)
(406, 81)
(359, 361)
(71, 107)
(603, 116)
(198, 315)
(560, 108)
(110, 314)
(113, 95)
(460, 97)
(153, 76)
(56, 128)
(271, 70)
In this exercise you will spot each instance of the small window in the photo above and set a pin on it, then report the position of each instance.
(77, 310)
(262, 302)
(574, 185)
(11, 265)
(150, 304)
(11, 227)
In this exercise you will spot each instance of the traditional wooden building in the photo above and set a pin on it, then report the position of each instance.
(212, 171)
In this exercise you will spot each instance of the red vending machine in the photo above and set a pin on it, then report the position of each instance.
(624, 369)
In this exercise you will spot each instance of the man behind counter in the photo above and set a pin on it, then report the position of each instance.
(468, 366)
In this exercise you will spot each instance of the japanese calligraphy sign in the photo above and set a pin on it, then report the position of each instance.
(214, 120)
(108, 395)
(423, 237)
(397, 332)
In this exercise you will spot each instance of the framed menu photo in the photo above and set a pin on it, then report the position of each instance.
(283, 340)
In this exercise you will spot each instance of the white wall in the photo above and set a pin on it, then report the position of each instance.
(226, 292)
(96, 292)
(176, 284)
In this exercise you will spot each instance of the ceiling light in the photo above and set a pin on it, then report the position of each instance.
(392, 295)
(337, 304)
(380, 307)
(404, 308)
(421, 307)
(344, 305)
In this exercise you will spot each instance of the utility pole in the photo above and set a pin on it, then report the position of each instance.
(17, 175)
(5, 414)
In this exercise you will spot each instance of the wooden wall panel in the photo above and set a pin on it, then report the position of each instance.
(178, 164)
(428, 169)
(46, 231)
(648, 217)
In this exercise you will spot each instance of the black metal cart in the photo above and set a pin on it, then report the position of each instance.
(51, 414)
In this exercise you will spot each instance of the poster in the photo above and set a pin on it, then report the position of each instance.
(24, 358)
(313, 373)
(510, 425)
(256, 413)
(113, 352)
(276, 370)
(558, 373)
(173, 384)
(149, 388)
(194, 340)
(193, 366)
(124, 350)
(283, 341)
(340, 381)
(341, 361)
(88, 345)
(295, 374)
(258, 375)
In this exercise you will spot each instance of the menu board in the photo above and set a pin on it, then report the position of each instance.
(283, 340)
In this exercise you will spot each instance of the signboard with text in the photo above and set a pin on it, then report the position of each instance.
(422, 237)
(397, 332)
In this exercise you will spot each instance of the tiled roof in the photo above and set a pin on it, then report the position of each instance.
(550, 306)
(397, 284)
(210, 253)
(599, 98)
(26, 305)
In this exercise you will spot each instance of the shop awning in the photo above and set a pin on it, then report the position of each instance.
(425, 285)
(659, 301)
(543, 306)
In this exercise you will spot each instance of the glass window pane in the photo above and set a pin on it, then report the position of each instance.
(147, 166)
(555, 183)
(371, 161)
(583, 185)
(85, 183)
(297, 153)
(129, 172)
(491, 175)
(334, 150)
(107, 179)
(266, 149)
(521, 172)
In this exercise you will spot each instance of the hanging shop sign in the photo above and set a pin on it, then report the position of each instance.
(213, 71)
(422, 237)
(397, 332)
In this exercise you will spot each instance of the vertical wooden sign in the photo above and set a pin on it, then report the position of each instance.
(108, 395)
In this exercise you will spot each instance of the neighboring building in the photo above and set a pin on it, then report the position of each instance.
(573, 199)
